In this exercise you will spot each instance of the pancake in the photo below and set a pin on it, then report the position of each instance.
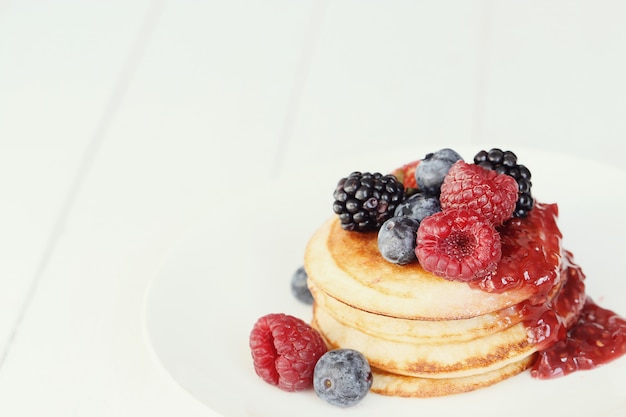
(450, 331)
(349, 267)
(429, 360)
(386, 383)
(427, 336)
(413, 330)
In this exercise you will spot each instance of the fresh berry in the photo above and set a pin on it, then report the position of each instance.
(299, 286)
(430, 173)
(285, 350)
(458, 244)
(396, 240)
(406, 175)
(418, 206)
(364, 201)
(505, 162)
(473, 187)
(342, 377)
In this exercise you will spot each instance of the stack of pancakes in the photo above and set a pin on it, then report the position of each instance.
(423, 335)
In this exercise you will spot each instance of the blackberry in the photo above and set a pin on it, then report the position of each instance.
(505, 162)
(363, 201)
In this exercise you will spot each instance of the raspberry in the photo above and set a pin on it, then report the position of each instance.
(485, 191)
(458, 244)
(406, 175)
(285, 350)
(505, 162)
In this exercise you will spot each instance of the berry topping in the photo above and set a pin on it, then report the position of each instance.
(342, 377)
(396, 240)
(406, 175)
(299, 287)
(285, 350)
(458, 244)
(470, 186)
(505, 162)
(430, 173)
(418, 206)
(597, 337)
(364, 201)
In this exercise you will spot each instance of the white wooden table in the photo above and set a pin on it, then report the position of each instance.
(123, 122)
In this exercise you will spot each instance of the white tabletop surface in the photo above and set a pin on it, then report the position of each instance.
(122, 123)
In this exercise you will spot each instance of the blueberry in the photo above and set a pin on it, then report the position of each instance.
(299, 287)
(418, 206)
(431, 171)
(342, 377)
(397, 240)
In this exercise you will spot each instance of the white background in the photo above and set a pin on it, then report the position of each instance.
(123, 123)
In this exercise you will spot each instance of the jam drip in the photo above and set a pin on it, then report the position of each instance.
(531, 252)
(597, 337)
(548, 322)
(569, 331)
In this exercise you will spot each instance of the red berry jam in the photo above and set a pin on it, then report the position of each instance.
(597, 337)
(531, 252)
(570, 331)
(548, 322)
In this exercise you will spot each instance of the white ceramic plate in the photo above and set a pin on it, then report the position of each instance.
(236, 266)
